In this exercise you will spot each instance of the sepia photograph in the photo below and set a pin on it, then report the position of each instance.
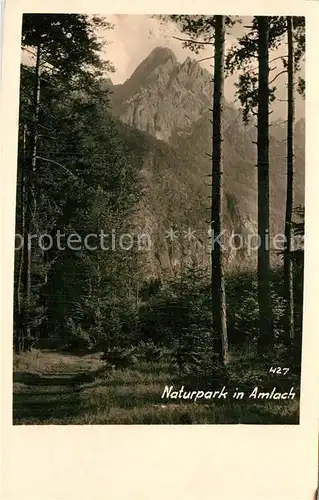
(160, 220)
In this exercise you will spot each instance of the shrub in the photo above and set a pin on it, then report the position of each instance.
(191, 348)
(182, 302)
(76, 336)
(149, 351)
(119, 358)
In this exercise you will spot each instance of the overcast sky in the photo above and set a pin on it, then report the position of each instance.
(134, 36)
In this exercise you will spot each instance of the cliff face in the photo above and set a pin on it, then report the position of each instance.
(163, 97)
(170, 101)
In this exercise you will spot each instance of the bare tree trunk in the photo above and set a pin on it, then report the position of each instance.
(19, 344)
(29, 173)
(265, 338)
(288, 263)
(218, 280)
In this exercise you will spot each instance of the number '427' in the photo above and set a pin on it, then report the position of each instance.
(278, 370)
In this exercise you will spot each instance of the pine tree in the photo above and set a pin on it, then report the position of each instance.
(288, 264)
(65, 48)
(218, 279)
(296, 50)
(210, 30)
(255, 94)
(242, 57)
(265, 338)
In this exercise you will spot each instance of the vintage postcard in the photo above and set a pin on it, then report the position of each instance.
(160, 220)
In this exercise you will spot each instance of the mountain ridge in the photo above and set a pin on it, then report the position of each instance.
(170, 102)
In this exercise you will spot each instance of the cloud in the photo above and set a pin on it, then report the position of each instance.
(135, 36)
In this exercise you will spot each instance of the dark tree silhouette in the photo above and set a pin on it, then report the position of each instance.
(265, 338)
(288, 263)
(202, 31)
(218, 279)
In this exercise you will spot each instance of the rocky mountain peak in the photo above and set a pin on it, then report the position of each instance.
(170, 101)
(163, 97)
(161, 54)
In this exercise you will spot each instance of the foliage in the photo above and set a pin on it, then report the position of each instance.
(199, 29)
(178, 304)
(192, 348)
(119, 358)
(149, 351)
(75, 336)
(242, 57)
(70, 47)
(179, 318)
(87, 180)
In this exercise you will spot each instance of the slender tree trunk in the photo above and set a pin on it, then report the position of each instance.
(288, 263)
(19, 343)
(218, 280)
(29, 173)
(265, 317)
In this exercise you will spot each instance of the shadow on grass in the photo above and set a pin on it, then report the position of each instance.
(47, 399)
(50, 347)
(34, 379)
(45, 408)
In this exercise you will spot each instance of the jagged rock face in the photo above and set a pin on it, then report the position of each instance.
(170, 101)
(163, 97)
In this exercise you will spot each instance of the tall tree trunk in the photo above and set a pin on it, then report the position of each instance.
(288, 263)
(218, 280)
(19, 334)
(265, 338)
(29, 173)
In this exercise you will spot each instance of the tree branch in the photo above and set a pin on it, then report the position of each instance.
(192, 41)
(278, 123)
(205, 59)
(48, 137)
(30, 51)
(252, 69)
(278, 74)
(59, 165)
(43, 63)
(276, 58)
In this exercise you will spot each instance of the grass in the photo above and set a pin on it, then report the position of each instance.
(55, 388)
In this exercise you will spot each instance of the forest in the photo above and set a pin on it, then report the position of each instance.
(96, 340)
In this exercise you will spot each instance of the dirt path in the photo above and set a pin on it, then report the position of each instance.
(47, 389)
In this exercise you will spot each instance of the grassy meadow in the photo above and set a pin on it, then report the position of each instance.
(53, 387)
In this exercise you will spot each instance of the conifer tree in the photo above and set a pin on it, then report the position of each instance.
(211, 30)
(66, 50)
